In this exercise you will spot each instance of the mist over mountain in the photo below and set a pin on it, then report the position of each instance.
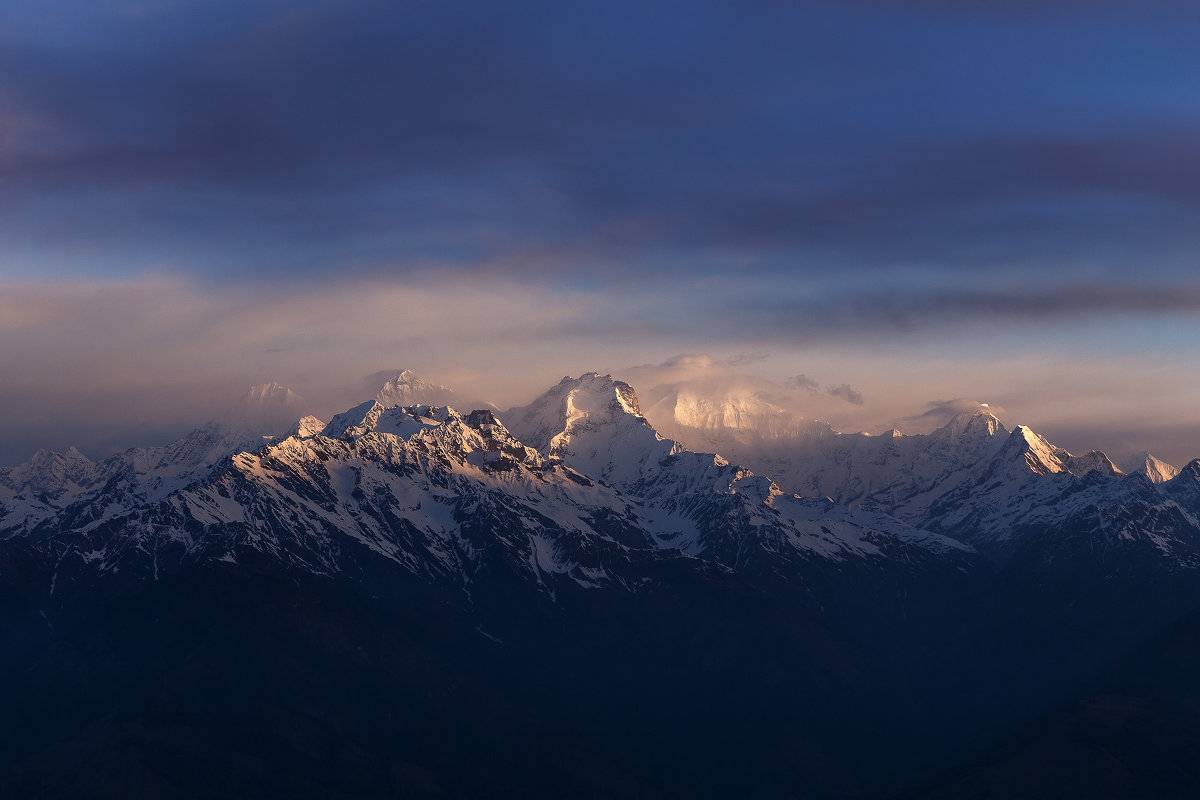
(267, 408)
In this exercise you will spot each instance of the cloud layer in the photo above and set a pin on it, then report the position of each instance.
(536, 137)
(892, 202)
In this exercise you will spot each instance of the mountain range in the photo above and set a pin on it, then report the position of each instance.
(416, 598)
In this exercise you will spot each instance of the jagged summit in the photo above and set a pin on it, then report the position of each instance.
(574, 482)
(47, 471)
(974, 425)
(575, 404)
(592, 424)
(305, 428)
(266, 394)
(1044, 458)
(406, 389)
(373, 417)
(1185, 486)
(1188, 476)
(1149, 465)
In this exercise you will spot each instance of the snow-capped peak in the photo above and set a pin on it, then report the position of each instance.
(362, 417)
(306, 428)
(406, 389)
(592, 424)
(48, 471)
(1044, 458)
(1157, 470)
(1186, 483)
(1040, 456)
(593, 398)
(268, 394)
(589, 400)
(974, 425)
(1190, 473)
(1091, 461)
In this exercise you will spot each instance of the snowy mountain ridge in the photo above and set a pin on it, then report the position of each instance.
(578, 487)
(444, 495)
(569, 546)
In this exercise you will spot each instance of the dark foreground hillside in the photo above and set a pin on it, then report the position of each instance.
(219, 684)
(1135, 734)
(222, 682)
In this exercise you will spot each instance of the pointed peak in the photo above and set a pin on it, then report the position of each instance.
(593, 425)
(1191, 471)
(43, 458)
(1044, 458)
(268, 391)
(305, 428)
(404, 388)
(974, 424)
(359, 416)
(1146, 463)
(48, 470)
(1027, 434)
(1187, 482)
(1091, 461)
(589, 401)
(1041, 457)
(592, 393)
(605, 387)
(404, 377)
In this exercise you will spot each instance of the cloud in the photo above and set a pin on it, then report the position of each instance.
(691, 367)
(745, 359)
(108, 363)
(845, 392)
(939, 412)
(804, 382)
(112, 364)
(915, 309)
(273, 138)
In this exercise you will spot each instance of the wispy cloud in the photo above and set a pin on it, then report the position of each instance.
(914, 308)
(272, 136)
(804, 382)
(845, 391)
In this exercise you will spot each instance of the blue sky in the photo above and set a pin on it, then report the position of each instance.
(998, 197)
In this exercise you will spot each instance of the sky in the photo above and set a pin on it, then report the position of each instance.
(879, 208)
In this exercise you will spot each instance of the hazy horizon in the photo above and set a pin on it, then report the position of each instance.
(702, 374)
(870, 209)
